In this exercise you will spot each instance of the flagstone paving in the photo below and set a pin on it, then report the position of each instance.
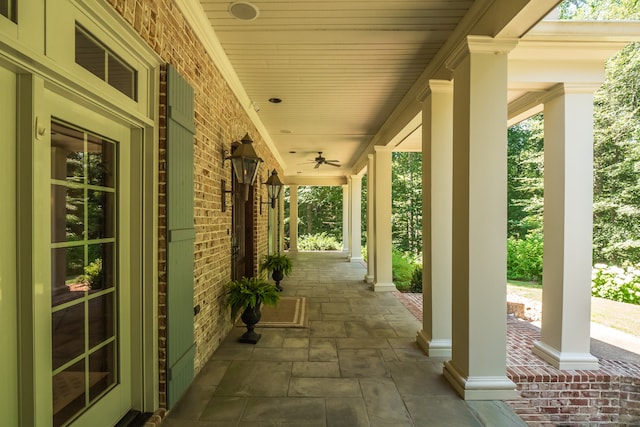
(357, 364)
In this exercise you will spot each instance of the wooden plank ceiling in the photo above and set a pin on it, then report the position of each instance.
(339, 67)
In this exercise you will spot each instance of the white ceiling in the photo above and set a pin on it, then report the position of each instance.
(342, 68)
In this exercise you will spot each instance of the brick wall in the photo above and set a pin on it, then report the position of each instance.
(609, 396)
(218, 118)
(577, 398)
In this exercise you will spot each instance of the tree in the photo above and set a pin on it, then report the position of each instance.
(524, 182)
(406, 173)
(616, 235)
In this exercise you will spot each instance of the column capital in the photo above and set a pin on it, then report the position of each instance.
(382, 148)
(568, 88)
(479, 44)
(435, 86)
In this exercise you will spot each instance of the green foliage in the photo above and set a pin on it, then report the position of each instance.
(277, 262)
(320, 210)
(402, 269)
(318, 242)
(616, 236)
(248, 292)
(416, 280)
(616, 283)
(524, 173)
(92, 274)
(524, 257)
(406, 173)
(600, 9)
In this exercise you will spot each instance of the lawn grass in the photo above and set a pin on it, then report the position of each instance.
(617, 315)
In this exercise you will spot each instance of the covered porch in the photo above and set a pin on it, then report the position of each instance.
(357, 364)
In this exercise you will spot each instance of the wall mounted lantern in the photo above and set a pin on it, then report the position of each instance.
(274, 188)
(244, 162)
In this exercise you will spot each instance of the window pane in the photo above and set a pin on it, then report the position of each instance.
(100, 271)
(100, 208)
(67, 334)
(89, 54)
(8, 9)
(67, 270)
(102, 373)
(67, 214)
(100, 162)
(101, 319)
(68, 393)
(122, 77)
(67, 154)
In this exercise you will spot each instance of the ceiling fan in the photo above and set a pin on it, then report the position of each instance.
(321, 160)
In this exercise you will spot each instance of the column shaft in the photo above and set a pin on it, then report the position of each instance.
(477, 369)
(293, 218)
(437, 165)
(355, 234)
(568, 209)
(371, 228)
(345, 219)
(383, 190)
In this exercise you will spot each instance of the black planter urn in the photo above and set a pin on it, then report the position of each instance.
(250, 316)
(277, 275)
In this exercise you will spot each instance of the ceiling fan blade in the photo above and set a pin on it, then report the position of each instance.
(331, 164)
(317, 166)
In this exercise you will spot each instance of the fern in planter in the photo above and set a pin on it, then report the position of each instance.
(250, 292)
(277, 262)
(278, 265)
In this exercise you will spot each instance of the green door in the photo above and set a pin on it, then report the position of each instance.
(83, 247)
(180, 236)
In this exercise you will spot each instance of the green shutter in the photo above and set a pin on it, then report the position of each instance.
(180, 235)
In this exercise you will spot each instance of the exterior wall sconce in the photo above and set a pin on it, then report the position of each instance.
(244, 162)
(274, 188)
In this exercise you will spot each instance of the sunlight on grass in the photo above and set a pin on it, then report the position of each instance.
(618, 315)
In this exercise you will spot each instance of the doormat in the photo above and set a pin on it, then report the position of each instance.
(291, 312)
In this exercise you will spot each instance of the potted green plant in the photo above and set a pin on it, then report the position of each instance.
(279, 266)
(246, 295)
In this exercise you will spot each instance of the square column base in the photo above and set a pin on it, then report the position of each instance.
(434, 347)
(480, 388)
(356, 259)
(564, 360)
(383, 287)
(368, 279)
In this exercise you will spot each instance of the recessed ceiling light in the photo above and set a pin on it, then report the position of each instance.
(292, 152)
(243, 10)
(285, 131)
(275, 100)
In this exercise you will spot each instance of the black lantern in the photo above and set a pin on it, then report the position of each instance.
(274, 188)
(245, 162)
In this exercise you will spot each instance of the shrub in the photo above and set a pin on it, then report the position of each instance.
(416, 280)
(402, 269)
(524, 257)
(318, 242)
(616, 283)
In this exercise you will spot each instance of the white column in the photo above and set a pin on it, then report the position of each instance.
(345, 219)
(437, 170)
(383, 273)
(293, 218)
(477, 369)
(568, 215)
(371, 229)
(280, 240)
(355, 234)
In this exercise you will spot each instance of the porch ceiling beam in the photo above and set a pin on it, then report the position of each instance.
(495, 18)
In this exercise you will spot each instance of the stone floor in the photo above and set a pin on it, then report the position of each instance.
(356, 365)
